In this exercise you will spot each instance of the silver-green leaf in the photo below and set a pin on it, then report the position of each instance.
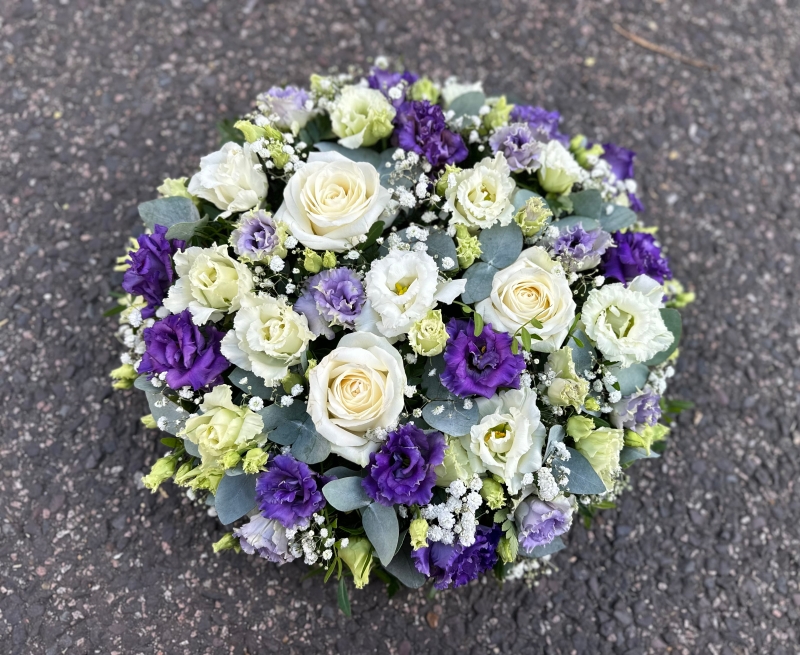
(346, 494)
(235, 497)
(452, 418)
(383, 530)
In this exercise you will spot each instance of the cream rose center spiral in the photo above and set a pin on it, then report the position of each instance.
(356, 393)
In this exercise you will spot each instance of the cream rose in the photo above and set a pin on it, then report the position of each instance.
(231, 179)
(268, 337)
(509, 438)
(534, 286)
(211, 283)
(355, 390)
(331, 200)
(481, 196)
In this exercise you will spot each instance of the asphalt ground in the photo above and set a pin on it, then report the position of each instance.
(99, 101)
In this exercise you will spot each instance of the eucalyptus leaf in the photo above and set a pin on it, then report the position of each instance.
(584, 221)
(583, 479)
(582, 356)
(441, 247)
(341, 472)
(432, 384)
(630, 455)
(402, 567)
(501, 244)
(191, 448)
(254, 385)
(587, 203)
(672, 319)
(162, 407)
(274, 415)
(342, 597)
(186, 231)
(310, 446)
(235, 497)
(143, 384)
(169, 212)
(619, 218)
(236, 470)
(555, 436)
(479, 278)
(452, 419)
(547, 549)
(383, 530)
(521, 197)
(630, 379)
(365, 155)
(346, 494)
(468, 104)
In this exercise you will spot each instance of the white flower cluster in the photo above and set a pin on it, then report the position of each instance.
(455, 519)
(312, 542)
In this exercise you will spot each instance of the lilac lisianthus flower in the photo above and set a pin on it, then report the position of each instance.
(584, 248)
(333, 297)
(189, 354)
(542, 123)
(641, 409)
(539, 521)
(517, 143)
(291, 107)
(420, 127)
(150, 272)
(402, 471)
(478, 366)
(257, 236)
(290, 492)
(636, 253)
(384, 80)
(455, 564)
(620, 161)
(266, 537)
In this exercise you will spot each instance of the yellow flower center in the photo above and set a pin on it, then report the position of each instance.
(400, 289)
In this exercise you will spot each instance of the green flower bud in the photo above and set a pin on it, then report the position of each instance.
(163, 469)
(329, 259)
(468, 247)
(423, 89)
(591, 404)
(678, 296)
(323, 86)
(602, 448)
(230, 459)
(254, 460)
(441, 184)
(646, 437)
(228, 542)
(251, 132)
(579, 427)
(583, 155)
(456, 464)
(507, 549)
(123, 376)
(428, 335)
(203, 477)
(290, 381)
(533, 216)
(498, 114)
(492, 492)
(358, 557)
(418, 531)
(361, 117)
(312, 262)
(567, 388)
(311, 364)
(149, 422)
(174, 187)
(122, 260)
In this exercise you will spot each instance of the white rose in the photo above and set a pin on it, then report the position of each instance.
(331, 200)
(559, 170)
(361, 117)
(403, 286)
(268, 337)
(534, 286)
(231, 179)
(355, 389)
(509, 438)
(625, 322)
(481, 196)
(211, 283)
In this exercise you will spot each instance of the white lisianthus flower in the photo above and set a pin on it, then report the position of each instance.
(361, 117)
(509, 438)
(354, 390)
(625, 322)
(211, 284)
(331, 201)
(481, 196)
(230, 179)
(403, 286)
(534, 286)
(268, 337)
(559, 170)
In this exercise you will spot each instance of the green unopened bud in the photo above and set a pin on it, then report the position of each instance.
(468, 247)
(492, 492)
(591, 404)
(123, 265)
(678, 296)
(123, 376)
(149, 422)
(418, 531)
(312, 262)
(358, 557)
(276, 153)
(174, 188)
(230, 459)
(423, 89)
(254, 460)
(646, 436)
(533, 216)
(584, 155)
(507, 549)
(329, 259)
(163, 469)
(498, 114)
(579, 427)
(291, 381)
(567, 387)
(251, 132)
(428, 335)
(185, 473)
(441, 184)
(228, 542)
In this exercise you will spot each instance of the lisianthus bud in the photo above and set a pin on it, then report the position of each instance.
(579, 427)
(312, 262)
(428, 335)
(418, 531)
(199, 477)
(492, 492)
(228, 542)
(291, 381)
(507, 549)
(123, 376)
(585, 156)
(423, 89)
(591, 404)
(646, 437)
(174, 187)
(162, 470)
(442, 183)
(498, 114)
(149, 422)
(567, 388)
(468, 248)
(230, 459)
(358, 557)
(329, 259)
(533, 216)
(254, 460)
(678, 296)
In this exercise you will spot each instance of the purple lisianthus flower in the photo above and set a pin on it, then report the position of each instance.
(290, 107)
(333, 297)
(517, 143)
(384, 80)
(455, 564)
(290, 492)
(584, 248)
(543, 123)
(420, 126)
(641, 409)
(620, 160)
(479, 365)
(150, 271)
(266, 537)
(189, 354)
(539, 521)
(256, 237)
(402, 470)
(636, 253)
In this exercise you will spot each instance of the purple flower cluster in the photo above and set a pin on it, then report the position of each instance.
(189, 354)
(539, 522)
(420, 126)
(517, 143)
(620, 160)
(384, 79)
(455, 564)
(638, 410)
(288, 105)
(582, 246)
(543, 123)
(290, 492)
(479, 365)
(150, 271)
(256, 236)
(333, 297)
(636, 253)
(402, 470)
(266, 537)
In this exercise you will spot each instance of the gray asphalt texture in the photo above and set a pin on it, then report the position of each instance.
(99, 101)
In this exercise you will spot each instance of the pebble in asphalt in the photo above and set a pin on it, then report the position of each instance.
(101, 100)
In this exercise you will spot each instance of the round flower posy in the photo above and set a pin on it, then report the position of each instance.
(401, 329)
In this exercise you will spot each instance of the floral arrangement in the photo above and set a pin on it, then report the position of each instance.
(401, 329)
